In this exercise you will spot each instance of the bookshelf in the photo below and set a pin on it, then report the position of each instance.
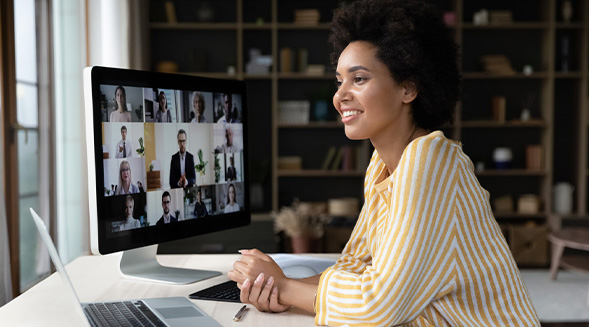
(559, 113)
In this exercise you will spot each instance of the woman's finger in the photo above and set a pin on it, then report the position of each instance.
(256, 289)
(245, 291)
(264, 298)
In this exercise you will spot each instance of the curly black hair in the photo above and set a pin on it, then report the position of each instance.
(414, 43)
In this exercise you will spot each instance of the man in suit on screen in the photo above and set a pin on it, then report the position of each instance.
(182, 173)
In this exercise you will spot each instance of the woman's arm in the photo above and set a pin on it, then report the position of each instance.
(260, 278)
(411, 237)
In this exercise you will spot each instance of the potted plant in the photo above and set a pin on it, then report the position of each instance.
(201, 166)
(141, 150)
(303, 222)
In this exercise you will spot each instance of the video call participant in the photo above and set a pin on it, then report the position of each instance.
(125, 185)
(124, 148)
(200, 209)
(120, 114)
(167, 217)
(198, 103)
(231, 173)
(229, 113)
(130, 221)
(228, 146)
(182, 173)
(163, 115)
(231, 205)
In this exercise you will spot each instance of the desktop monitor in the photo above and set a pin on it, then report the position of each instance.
(167, 159)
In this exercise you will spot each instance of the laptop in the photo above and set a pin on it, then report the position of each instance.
(170, 312)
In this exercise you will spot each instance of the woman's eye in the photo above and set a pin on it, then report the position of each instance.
(359, 79)
(338, 84)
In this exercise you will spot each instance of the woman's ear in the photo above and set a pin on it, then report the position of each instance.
(410, 91)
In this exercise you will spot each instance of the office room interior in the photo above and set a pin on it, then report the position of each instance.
(522, 118)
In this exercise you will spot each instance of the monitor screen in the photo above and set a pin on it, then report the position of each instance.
(167, 157)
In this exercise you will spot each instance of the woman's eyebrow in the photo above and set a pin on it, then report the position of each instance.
(354, 69)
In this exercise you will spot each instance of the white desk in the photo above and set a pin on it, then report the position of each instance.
(97, 278)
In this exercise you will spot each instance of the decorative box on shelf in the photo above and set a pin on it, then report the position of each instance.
(293, 112)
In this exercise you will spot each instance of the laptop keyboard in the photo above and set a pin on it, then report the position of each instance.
(226, 292)
(124, 313)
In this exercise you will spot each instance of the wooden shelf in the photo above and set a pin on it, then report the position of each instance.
(328, 76)
(319, 173)
(508, 124)
(517, 75)
(514, 215)
(511, 172)
(507, 26)
(295, 26)
(314, 125)
(193, 26)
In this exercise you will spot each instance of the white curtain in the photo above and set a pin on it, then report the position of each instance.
(112, 36)
(70, 149)
(5, 280)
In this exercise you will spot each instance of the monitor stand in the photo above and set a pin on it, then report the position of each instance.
(142, 263)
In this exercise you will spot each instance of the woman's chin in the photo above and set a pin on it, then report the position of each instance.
(354, 135)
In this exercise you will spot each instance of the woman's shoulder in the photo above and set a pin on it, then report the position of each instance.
(432, 146)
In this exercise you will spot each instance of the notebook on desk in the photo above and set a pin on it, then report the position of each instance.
(170, 312)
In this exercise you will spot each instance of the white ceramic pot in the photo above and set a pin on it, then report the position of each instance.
(563, 198)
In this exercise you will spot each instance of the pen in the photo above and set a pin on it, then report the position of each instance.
(239, 313)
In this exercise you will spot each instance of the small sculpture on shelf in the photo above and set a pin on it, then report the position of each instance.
(527, 103)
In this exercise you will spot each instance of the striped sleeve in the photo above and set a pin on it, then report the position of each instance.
(412, 247)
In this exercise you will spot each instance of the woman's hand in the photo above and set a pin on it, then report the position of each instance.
(250, 274)
(262, 294)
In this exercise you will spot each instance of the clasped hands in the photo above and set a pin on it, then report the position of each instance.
(182, 182)
(259, 278)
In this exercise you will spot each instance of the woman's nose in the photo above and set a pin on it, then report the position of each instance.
(342, 93)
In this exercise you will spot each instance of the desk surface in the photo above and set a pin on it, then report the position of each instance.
(97, 278)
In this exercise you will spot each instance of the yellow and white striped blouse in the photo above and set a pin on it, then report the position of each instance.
(426, 250)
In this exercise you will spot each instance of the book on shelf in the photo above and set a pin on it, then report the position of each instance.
(329, 158)
(337, 160)
(307, 16)
(347, 158)
(171, 12)
(285, 60)
(303, 55)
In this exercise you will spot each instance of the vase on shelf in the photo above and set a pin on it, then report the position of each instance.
(303, 244)
(567, 11)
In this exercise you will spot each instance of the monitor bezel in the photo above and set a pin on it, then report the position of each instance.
(100, 242)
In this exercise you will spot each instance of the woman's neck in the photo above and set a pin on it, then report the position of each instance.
(391, 151)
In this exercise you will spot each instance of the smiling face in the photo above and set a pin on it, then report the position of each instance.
(371, 103)
(120, 98)
(231, 194)
(163, 101)
(125, 172)
(199, 106)
(129, 207)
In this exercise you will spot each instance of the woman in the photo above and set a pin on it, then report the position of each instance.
(231, 205)
(120, 114)
(130, 221)
(125, 185)
(163, 115)
(426, 250)
(198, 103)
